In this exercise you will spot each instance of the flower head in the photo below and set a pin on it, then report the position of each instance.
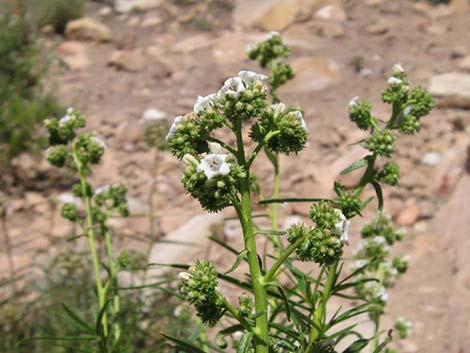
(300, 117)
(232, 87)
(398, 68)
(173, 127)
(342, 227)
(394, 81)
(213, 165)
(353, 102)
(248, 77)
(204, 103)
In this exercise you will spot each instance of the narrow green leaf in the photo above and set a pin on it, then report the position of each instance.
(77, 319)
(245, 343)
(291, 199)
(357, 346)
(241, 256)
(356, 165)
(224, 245)
(183, 345)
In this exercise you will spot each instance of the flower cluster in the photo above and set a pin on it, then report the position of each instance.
(374, 256)
(324, 243)
(269, 54)
(213, 171)
(199, 287)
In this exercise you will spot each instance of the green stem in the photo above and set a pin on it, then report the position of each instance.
(281, 259)
(113, 279)
(91, 241)
(275, 207)
(232, 310)
(320, 311)
(244, 214)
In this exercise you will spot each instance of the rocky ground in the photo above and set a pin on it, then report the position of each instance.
(156, 58)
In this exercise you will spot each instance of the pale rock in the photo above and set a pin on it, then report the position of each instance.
(267, 14)
(421, 7)
(151, 21)
(133, 22)
(435, 29)
(378, 28)
(312, 74)
(431, 158)
(192, 43)
(374, 3)
(132, 61)
(193, 238)
(331, 12)
(151, 116)
(126, 6)
(136, 206)
(460, 5)
(74, 55)
(68, 197)
(408, 215)
(34, 198)
(451, 89)
(88, 29)
(331, 30)
(105, 11)
(464, 64)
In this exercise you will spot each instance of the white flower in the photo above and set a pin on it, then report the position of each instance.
(394, 81)
(204, 103)
(279, 108)
(380, 240)
(360, 263)
(272, 34)
(97, 140)
(237, 335)
(232, 87)
(69, 110)
(184, 276)
(248, 77)
(102, 189)
(214, 164)
(398, 68)
(173, 127)
(342, 227)
(65, 119)
(353, 103)
(151, 116)
(215, 148)
(300, 117)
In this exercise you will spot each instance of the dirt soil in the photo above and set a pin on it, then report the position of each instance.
(164, 57)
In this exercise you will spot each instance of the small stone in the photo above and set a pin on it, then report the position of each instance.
(88, 29)
(332, 12)
(280, 15)
(151, 115)
(374, 3)
(134, 21)
(312, 74)
(132, 61)
(435, 29)
(431, 158)
(458, 52)
(105, 11)
(271, 15)
(74, 55)
(378, 28)
(126, 6)
(451, 89)
(464, 64)
(408, 216)
(331, 30)
(151, 21)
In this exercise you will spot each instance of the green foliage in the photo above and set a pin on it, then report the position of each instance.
(23, 101)
(57, 13)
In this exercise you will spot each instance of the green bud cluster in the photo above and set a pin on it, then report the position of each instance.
(348, 202)
(421, 102)
(268, 50)
(113, 198)
(390, 174)
(288, 126)
(218, 192)
(324, 215)
(403, 328)
(199, 287)
(381, 142)
(280, 73)
(69, 212)
(155, 134)
(131, 260)
(57, 155)
(409, 125)
(62, 131)
(321, 246)
(382, 227)
(245, 305)
(360, 113)
(249, 103)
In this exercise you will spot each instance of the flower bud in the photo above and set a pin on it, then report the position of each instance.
(381, 143)
(190, 160)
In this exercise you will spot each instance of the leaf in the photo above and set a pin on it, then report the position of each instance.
(245, 343)
(356, 165)
(78, 320)
(291, 199)
(224, 245)
(357, 346)
(183, 345)
(383, 344)
(378, 191)
(99, 320)
(286, 301)
(241, 256)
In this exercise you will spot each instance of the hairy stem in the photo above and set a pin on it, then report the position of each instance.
(89, 231)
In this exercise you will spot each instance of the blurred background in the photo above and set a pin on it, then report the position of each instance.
(128, 63)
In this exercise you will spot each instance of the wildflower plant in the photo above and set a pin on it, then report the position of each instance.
(290, 316)
(79, 151)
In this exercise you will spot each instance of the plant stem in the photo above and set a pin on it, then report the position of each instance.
(113, 278)
(320, 311)
(91, 242)
(244, 214)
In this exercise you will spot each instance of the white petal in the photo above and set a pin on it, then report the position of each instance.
(224, 169)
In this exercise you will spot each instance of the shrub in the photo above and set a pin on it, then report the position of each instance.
(23, 101)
